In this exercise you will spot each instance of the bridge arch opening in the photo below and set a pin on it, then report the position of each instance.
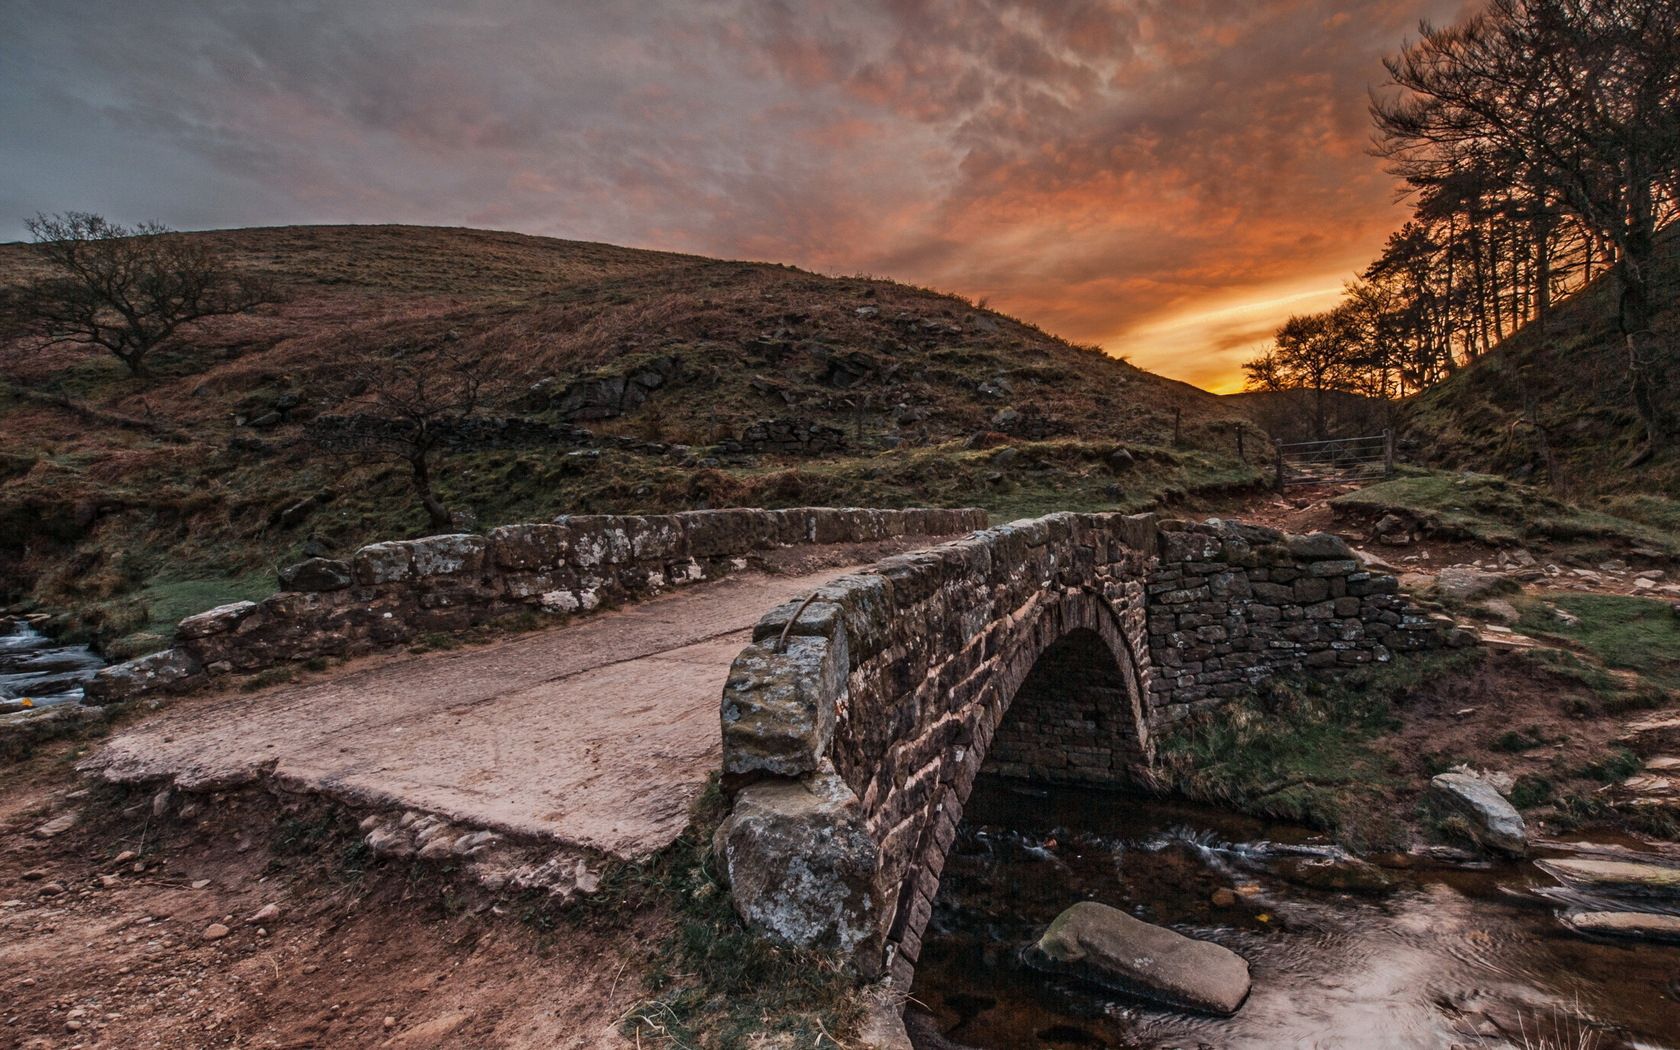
(1069, 710)
(1074, 718)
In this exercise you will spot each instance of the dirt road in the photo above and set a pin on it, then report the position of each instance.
(598, 734)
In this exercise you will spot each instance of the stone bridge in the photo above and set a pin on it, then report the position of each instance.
(1056, 649)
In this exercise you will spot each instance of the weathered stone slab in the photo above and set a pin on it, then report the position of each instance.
(219, 620)
(1617, 875)
(779, 707)
(1110, 948)
(1641, 925)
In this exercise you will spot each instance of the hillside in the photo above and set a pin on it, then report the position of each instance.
(1569, 378)
(644, 382)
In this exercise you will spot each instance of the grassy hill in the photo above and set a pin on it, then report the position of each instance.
(1568, 376)
(133, 502)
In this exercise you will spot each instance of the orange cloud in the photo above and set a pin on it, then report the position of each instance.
(1168, 178)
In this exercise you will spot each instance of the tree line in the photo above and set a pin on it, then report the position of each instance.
(1539, 142)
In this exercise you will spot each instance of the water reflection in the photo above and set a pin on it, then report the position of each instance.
(1470, 956)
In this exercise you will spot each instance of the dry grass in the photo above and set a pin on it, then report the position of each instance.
(94, 516)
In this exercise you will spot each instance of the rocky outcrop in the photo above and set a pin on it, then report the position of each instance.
(608, 396)
(388, 593)
(1622, 876)
(1640, 925)
(793, 437)
(1492, 821)
(1109, 948)
(1461, 583)
(807, 833)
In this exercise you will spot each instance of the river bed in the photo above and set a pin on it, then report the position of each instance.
(37, 672)
(1467, 953)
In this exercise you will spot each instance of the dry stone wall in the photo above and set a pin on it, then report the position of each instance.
(388, 593)
(1055, 648)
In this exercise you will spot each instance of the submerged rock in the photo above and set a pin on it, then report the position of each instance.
(1624, 875)
(1340, 874)
(1493, 822)
(1105, 946)
(1645, 926)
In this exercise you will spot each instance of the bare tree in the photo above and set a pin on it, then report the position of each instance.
(411, 405)
(126, 290)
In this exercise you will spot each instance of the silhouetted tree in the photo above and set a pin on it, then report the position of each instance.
(1572, 105)
(126, 290)
(1313, 352)
(409, 405)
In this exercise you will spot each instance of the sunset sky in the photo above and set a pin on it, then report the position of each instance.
(1167, 178)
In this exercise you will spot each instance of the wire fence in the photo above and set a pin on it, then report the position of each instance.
(1338, 459)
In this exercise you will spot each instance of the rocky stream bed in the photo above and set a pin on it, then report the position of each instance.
(1430, 949)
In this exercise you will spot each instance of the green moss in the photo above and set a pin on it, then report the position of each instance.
(1300, 748)
(1621, 632)
(1496, 511)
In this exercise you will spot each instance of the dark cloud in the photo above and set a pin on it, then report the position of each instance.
(1166, 177)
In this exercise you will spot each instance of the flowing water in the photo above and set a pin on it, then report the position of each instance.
(36, 672)
(1467, 954)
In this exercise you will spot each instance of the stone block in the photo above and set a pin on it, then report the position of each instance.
(221, 619)
(380, 563)
(801, 865)
(530, 548)
(778, 709)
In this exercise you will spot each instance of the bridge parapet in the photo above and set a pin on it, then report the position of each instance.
(388, 593)
(1053, 648)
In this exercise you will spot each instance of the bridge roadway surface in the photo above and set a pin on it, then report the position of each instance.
(599, 733)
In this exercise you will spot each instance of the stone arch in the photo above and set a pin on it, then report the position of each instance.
(856, 721)
(1067, 706)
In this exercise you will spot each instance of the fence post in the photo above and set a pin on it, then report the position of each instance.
(1388, 452)
(1278, 449)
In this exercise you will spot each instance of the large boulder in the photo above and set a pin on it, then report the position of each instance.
(1493, 821)
(1107, 947)
(800, 863)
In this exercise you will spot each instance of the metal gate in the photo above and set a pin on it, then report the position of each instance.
(1338, 459)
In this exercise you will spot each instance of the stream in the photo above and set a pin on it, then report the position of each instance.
(37, 672)
(1459, 953)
